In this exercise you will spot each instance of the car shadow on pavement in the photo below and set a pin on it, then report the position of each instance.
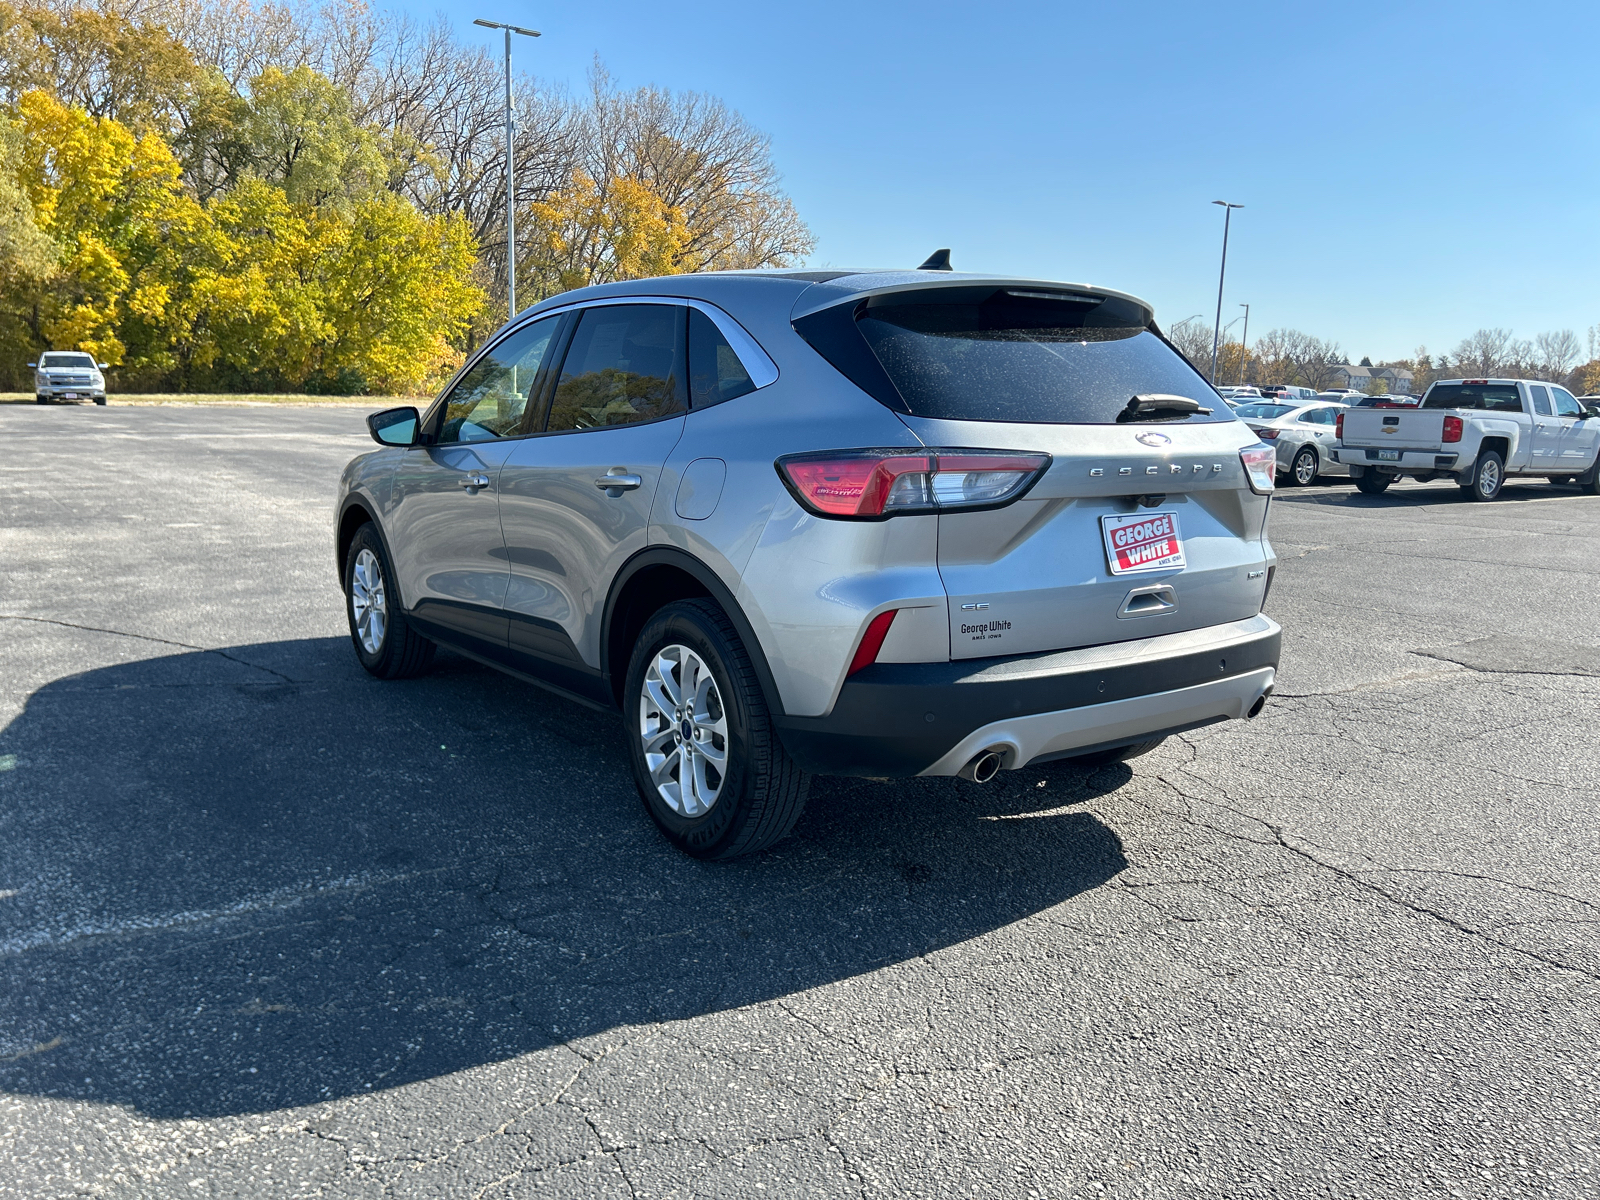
(243, 880)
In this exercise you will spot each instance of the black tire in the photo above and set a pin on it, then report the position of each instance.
(1373, 483)
(1304, 468)
(1116, 754)
(762, 791)
(100, 400)
(1487, 477)
(1589, 481)
(399, 652)
(40, 400)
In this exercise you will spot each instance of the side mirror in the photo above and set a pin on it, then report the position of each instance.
(35, 366)
(103, 366)
(1591, 410)
(394, 427)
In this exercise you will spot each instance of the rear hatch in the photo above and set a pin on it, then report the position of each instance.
(1086, 557)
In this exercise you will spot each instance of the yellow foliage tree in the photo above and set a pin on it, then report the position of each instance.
(588, 234)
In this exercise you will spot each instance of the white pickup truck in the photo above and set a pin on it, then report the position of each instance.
(1479, 432)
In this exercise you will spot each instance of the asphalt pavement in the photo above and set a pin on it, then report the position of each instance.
(272, 928)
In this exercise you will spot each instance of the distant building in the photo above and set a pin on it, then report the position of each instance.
(1360, 378)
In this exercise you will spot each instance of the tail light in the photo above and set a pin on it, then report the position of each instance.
(1338, 427)
(1452, 429)
(1268, 435)
(872, 641)
(1260, 468)
(874, 484)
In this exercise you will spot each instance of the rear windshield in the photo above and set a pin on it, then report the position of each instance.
(987, 354)
(1265, 412)
(1495, 397)
(66, 360)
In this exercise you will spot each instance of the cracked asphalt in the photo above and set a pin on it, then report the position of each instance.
(271, 928)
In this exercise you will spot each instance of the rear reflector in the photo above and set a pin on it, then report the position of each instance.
(873, 484)
(1452, 429)
(872, 641)
(1260, 468)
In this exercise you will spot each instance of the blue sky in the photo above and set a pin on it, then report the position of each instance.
(1411, 172)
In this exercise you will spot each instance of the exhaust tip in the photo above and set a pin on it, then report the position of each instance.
(982, 768)
(1261, 703)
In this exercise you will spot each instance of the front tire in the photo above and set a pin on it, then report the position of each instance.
(38, 399)
(708, 764)
(384, 640)
(1373, 483)
(100, 400)
(1305, 467)
(1487, 477)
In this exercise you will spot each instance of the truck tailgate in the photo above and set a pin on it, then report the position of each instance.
(1414, 429)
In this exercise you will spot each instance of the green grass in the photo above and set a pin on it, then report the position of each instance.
(116, 399)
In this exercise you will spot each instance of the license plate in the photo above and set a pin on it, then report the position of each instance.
(69, 395)
(1388, 456)
(1145, 541)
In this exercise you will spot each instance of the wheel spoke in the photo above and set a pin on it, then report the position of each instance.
(657, 695)
(661, 737)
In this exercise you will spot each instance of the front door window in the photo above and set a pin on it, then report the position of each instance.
(491, 399)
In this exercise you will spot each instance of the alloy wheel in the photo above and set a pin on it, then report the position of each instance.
(1489, 478)
(367, 601)
(685, 730)
(1305, 468)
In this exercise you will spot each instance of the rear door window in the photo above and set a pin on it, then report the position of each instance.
(624, 366)
(1491, 397)
(1007, 354)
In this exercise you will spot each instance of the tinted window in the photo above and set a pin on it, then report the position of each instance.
(66, 360)
(1541, 400)
(1566, 406)
(623, 367)
(1320, 416)
(987, 354)
(1264, 412)
(715, 372)
(490, 399)
(1494, 397)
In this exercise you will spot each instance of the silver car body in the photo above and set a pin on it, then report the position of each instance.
(1303, 425)
(1010, 633)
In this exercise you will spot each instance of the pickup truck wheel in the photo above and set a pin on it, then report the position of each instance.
(1589, 481)
(1303, 471)
(1374, 483)
(1487, 477)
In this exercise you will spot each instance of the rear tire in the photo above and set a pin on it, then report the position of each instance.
(1373, 483)
(1487, 477)
(1102, 758)
(1303, 470)
(385, 642)
(714, 801)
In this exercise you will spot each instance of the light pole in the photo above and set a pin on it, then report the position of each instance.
(511, 187)
(1244, 343)
(1227, 218)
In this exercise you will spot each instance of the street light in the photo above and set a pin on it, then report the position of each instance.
(1244, 341)
(511, 193)
(1216, 333)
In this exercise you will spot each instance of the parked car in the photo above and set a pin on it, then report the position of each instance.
(1239, 392)
(1478, 432)
(1302, 436)
(68, 375)
(1388, 401)
(886, 524)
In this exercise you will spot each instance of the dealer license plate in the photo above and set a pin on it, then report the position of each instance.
(1144, 541)
(69, 395)
(1388, 456)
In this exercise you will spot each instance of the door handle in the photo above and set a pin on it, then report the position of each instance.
(617, 480)
(474, 480)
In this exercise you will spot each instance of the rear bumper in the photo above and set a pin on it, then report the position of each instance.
(1408, 459)
(901, 719)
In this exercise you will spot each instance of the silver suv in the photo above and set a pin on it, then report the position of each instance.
(876, 523)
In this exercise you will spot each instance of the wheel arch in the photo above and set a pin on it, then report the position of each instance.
(1501, 445)
(355, 512)
(652, 579)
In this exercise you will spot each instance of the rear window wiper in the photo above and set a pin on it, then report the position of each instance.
(1160, 405)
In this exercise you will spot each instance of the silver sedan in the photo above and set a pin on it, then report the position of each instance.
(1303, 434)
